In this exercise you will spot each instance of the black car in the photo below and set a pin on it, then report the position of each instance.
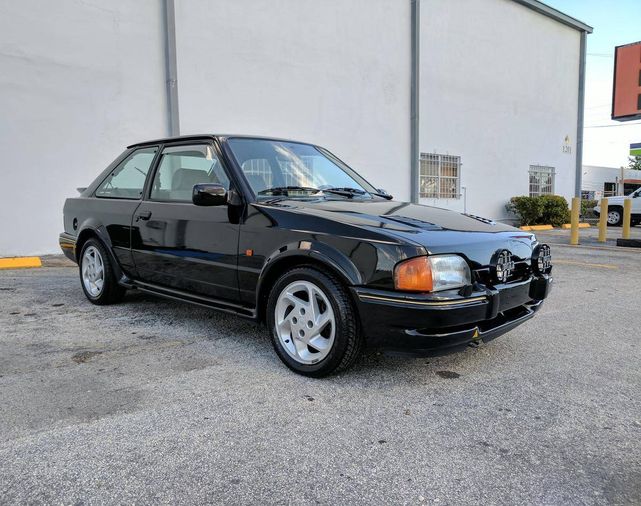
(285, 233)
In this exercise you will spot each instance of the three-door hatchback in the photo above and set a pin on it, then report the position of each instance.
(287, 234)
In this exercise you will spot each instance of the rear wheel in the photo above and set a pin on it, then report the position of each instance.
(615, 216)
(312, 322)
(97, 276)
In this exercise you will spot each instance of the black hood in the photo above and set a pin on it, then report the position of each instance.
(438, 230)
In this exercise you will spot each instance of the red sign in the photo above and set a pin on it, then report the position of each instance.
(626, 94)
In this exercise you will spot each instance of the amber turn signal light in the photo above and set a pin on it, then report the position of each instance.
(414, 275)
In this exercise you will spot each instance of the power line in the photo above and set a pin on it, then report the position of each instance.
(600, 55)
(610, 126)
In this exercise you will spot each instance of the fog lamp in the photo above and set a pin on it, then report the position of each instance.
(542, 259)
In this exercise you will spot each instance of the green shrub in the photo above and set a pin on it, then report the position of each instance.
(528, 209)
(587, 208)
(541, 210)
(555, 210)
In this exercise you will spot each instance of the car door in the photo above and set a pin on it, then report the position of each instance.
(117, 197)
(636, 202)
(180, 245)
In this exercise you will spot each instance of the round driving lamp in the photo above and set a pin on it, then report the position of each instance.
(542, 259)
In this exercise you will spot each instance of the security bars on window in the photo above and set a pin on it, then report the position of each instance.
(541, 180)
(439, 176)
(293, 174)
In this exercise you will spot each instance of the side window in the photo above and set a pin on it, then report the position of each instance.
(181, 167)
(127, 180)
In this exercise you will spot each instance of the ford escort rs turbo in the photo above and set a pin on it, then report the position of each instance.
(287, 234)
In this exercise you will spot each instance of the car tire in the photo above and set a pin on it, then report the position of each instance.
(97, 276)
(615, 216)
(318, 330)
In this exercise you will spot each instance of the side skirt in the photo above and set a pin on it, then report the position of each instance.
(219, 305)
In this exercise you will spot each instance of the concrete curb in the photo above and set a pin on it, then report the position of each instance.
(629, 243)
(535, 228)
(20, 262)
(56, 261)
(35, 262)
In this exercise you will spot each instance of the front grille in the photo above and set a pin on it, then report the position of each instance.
(487, 275)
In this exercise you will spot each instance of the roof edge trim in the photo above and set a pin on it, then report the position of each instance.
(555, 14)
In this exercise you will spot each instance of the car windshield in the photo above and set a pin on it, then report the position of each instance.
(275, 168)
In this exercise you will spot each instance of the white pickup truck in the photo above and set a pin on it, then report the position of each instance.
(615, 209)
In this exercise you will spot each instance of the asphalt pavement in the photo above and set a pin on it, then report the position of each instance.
(153, 401)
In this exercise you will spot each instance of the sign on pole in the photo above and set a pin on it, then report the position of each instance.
(626, 91)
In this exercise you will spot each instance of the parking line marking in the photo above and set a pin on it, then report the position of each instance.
(585, 264)
(20, 262)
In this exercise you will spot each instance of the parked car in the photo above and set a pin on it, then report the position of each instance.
(615, 209)
(287, 234)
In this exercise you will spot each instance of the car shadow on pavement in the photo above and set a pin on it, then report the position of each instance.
(251, 340)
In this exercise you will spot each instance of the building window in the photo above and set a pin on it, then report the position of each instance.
(439, 176)
(541, 180)
(609, 189)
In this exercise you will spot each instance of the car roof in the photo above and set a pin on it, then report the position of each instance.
(195, 137)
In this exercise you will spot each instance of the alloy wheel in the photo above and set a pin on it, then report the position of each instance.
(304, 322)
(93, 271)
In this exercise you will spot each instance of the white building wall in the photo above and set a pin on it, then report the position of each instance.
(331, 72)
(79, 80)
(594, 177)
(499, 87)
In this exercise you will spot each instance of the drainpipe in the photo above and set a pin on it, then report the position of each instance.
(579, 125)
(414, 94)
(169, 17)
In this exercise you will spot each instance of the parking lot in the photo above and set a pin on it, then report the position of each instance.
(159, 401)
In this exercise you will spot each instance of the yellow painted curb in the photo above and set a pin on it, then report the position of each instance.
(525, 227)
(20, 262)
(541, 227)
(581, 225)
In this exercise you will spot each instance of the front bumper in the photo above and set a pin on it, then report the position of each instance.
(433, 324)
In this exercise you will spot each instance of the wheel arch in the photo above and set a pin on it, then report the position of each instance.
(320, 256)
(90, 231)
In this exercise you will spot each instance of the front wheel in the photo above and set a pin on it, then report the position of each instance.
(313, 325)
(615, 216)
(97, 276)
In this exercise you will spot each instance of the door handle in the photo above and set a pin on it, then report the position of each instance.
(144, 216)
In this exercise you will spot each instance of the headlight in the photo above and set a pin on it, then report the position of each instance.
(432, 274)
(542, 259)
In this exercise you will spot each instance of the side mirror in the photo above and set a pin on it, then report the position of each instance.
(209, 194)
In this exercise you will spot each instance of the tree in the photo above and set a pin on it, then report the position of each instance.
(634, 163)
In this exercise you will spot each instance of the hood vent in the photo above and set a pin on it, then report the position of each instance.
(413, 222)
(480, 218)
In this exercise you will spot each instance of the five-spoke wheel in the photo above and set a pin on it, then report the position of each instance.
(97, 275)
(312, 322)
(93, 271)
(305, 323)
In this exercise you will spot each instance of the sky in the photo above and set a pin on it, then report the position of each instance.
(615, 22)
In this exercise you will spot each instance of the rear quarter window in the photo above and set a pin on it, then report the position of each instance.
(127, 180)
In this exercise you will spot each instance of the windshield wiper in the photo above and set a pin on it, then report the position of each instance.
(284, 190)
(347, 192)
